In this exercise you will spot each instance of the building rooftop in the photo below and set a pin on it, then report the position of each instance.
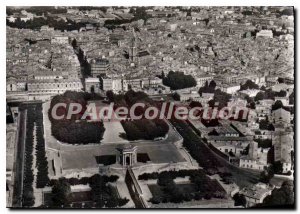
(91, 80)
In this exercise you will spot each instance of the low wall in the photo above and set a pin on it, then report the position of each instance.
(212, 203)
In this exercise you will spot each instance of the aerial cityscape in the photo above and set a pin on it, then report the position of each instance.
(150, 107)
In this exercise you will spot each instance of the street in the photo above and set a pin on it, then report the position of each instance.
(242, 177)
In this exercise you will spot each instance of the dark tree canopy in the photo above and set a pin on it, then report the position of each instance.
(74, 130)
(249, 85)
(266, 125)
(201, 187)
(145, 129)
(60, 192)
(264, 143)
(239, 200)
(281, 93)
(277, 167)
(207, 88)
(139, 128)
(212, 84)
(55, 22)
(269, 94)
(103, 194)
(287, 12)
(129, 98)
(195, 104)
(277, 105)
(281, 197)
(266, 175)
(220, 97)
(259, 96)
(178, 80)
(280, 80)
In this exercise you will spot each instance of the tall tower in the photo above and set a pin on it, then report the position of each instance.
(253, 150)
(133, 48)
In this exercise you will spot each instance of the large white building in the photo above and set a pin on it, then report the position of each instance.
(52, 87)
(201, 80)
(230, 88)
(264, 34)
(188, 95)
(60, 40)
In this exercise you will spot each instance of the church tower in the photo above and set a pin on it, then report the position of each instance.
(133, 48)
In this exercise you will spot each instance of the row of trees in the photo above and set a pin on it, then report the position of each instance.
(173, 174)
(38, 10)
(28, 196)
(129, 98)
(85, 180)
(37, 23)
(115, 23)
(41, 159)
(178, 80)
(69, 25)
(139, 13)
(198, 150)
(269, 94)
(34, 119)
(103, 9)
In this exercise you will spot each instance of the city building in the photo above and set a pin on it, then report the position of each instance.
(264, 34)
(99, 67)
(257, 158)
(256, 194)
(283, 143)
(92, 85)
(188, 95)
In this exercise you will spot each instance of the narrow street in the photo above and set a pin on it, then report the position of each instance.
(242, 177)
